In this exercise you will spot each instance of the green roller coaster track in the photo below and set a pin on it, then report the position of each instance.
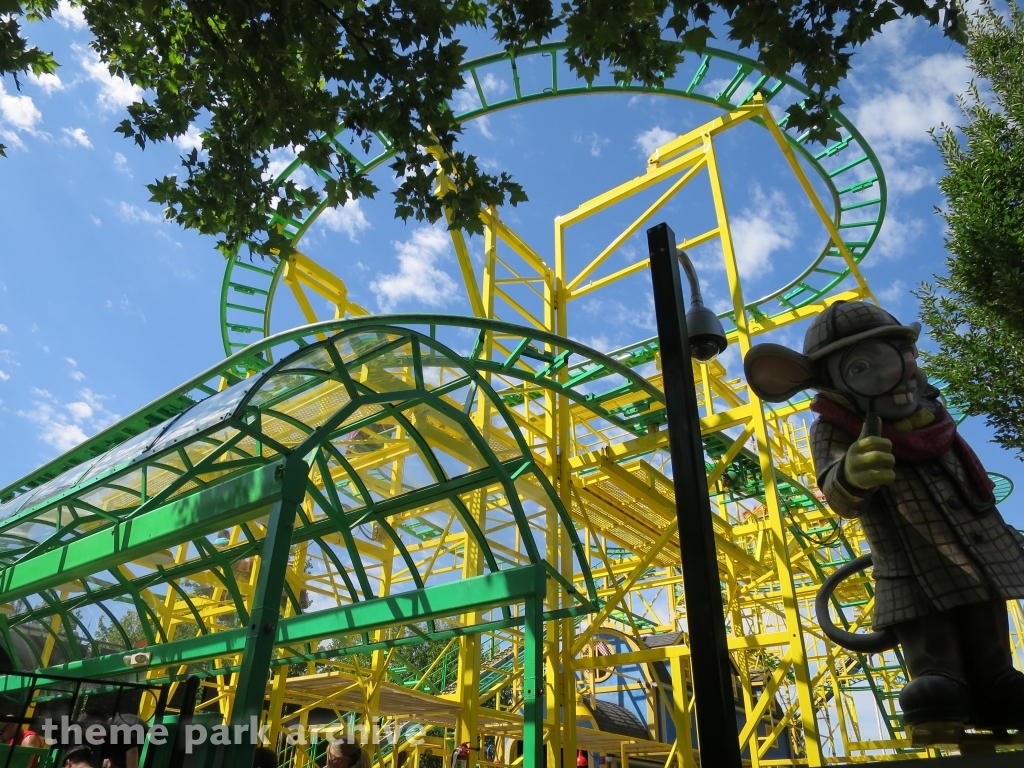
(849, 169)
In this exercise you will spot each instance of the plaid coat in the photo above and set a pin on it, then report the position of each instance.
(936, 543)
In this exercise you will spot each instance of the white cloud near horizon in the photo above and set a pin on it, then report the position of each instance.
(417, 277)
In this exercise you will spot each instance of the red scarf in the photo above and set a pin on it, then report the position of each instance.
(924, 444)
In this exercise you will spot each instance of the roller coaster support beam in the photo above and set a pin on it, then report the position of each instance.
(266, 611)
(533, 675)
(712, 672)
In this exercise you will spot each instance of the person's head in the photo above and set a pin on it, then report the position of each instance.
(264, 758)
(848, 350)
(80, 757)
(8, 728)
(342, 754)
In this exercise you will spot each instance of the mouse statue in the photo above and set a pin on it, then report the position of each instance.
(887, 452)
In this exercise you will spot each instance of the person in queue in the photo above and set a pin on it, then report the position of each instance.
(341, 754)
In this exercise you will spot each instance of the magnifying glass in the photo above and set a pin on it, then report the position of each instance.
(872, 368)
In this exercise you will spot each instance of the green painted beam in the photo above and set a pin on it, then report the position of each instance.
(261, 636)
(199, 514)
(479, 593)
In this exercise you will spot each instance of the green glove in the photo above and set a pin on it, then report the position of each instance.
(869, 463)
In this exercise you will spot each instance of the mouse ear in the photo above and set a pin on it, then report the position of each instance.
(776, 373)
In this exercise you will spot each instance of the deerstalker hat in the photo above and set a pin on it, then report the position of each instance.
(847, 322)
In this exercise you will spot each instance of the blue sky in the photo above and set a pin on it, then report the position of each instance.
(104, 307)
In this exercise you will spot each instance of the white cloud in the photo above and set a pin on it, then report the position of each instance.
(483, 124)
(130, 309)
(760, 230)
(48, 82)
(897, 236)
(13, 138)
(280, 159)
(895, 113)
(417, 278)
(468, 98)
(648, 141)
(75, 374)
(4, 376)
(492, 85)
(905, 179)
(54, 429)
(96, 221)
(595, 141)
(65, 425)
(615, 314)
(19, 111)
(349, 219)
(190, 140)
(135, 215)
(115, 92)
(79, 411)
(121, 165)
(69, 16)
(77, 136)
(893, 293)
(4, 328)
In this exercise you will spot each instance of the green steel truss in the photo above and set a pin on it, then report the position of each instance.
(98, 536)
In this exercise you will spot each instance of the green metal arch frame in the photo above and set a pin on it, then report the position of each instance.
(253, 359)
(248, 290)
(210, 559)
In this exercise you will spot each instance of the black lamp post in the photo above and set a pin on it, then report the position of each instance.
(697, 333)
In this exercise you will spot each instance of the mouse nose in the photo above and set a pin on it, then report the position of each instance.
(910, 368)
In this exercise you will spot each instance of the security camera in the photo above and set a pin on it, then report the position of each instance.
(141, 659)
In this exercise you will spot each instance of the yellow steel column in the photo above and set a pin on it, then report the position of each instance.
(563, 486)
(490, 264)
(468, 681)
(681, 704)
(798, 651)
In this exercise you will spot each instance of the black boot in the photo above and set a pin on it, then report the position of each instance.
(935, 698)
(1001, 703)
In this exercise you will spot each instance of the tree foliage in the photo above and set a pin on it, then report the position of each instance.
(976, 313)
(264, 74)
